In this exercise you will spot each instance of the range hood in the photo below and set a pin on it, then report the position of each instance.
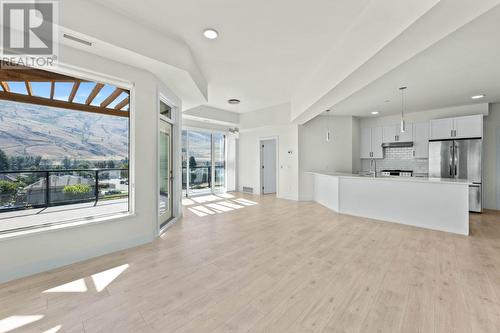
(397, 144)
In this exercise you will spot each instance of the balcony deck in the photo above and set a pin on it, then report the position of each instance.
(41, 216)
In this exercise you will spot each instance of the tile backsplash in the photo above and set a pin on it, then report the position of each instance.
(399, 159)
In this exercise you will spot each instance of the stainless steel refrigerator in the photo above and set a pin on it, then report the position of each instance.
(460, 159)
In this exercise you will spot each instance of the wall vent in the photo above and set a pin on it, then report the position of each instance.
(78, 40)
(247, 189)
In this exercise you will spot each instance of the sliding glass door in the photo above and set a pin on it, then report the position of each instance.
(203, 162)
(165, 169)
(219, 162)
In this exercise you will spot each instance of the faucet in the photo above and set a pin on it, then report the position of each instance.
(373, 167)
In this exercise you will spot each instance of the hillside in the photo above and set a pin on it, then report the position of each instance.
(53, 133)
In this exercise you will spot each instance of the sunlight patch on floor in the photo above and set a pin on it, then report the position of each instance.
(104, 279)
(221, 208)
(205, 198)
(225, 195)
(77, 286)
(245, 202)
(101, 281)
(53, 329)
(230, 205)
(14, 322)
(216, 204)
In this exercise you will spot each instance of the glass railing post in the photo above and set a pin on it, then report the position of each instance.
(96, 186)
(47, 189)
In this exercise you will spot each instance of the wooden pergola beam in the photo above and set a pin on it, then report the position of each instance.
(72, 95)
(122, 104)
(18, 73)
(114, 95)
(94, 93)
(28, 88)
(61, 104)
(52, 89)
(5, 86)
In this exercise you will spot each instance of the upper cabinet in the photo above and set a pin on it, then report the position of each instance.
(371, 142)
(377, 140)
(442, 128)
(457, 128)
(366, 142)
(421, 140)
(469, 127)
(394, 134)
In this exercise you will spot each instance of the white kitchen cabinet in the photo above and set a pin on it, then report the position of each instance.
(457, 128)
(421, 140)
(389, 134)
(377, 140)
(366, 142)
(394, 134)
(442, 128)
(469, 127)
(371, 142)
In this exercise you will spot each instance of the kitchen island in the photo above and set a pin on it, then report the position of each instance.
(432, 203)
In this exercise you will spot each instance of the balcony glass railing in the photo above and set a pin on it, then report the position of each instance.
(200, 177)
(44, 188)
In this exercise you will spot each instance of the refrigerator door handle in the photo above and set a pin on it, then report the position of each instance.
(456, 151)
(450, 162)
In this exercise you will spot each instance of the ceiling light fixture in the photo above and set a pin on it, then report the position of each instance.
(403, 124)
(210, 33)
(478, 96)
(374, 112)
(233, 101)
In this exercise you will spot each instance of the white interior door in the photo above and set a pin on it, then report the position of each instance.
(268, 166)
(165, 173)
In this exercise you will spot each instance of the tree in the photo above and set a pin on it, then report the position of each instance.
(192, 168)
(192, 162)
(66, 162)
(4, 161)
(8, 187)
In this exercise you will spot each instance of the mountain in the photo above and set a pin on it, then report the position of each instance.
(53, 133)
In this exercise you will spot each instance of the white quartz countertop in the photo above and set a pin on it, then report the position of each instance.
(399, 179)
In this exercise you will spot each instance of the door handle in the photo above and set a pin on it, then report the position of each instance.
(450, 162)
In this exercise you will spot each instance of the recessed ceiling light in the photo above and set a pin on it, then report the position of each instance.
(478, 96)
(233, 101)
(210, 33)
(374, 112)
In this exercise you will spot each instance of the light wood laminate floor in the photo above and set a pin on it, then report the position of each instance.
(267, 265)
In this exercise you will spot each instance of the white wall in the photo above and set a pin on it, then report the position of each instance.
(262, 124)
(43, 250)
(491, 154)
(223, 117)
(340, 154)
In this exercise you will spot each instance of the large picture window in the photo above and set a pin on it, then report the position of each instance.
(203, 162)
(64, 149)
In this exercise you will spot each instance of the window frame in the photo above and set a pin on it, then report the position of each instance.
(100, 218)
(212, 159)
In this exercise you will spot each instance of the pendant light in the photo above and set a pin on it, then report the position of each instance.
(403, 123)
(327, 122)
